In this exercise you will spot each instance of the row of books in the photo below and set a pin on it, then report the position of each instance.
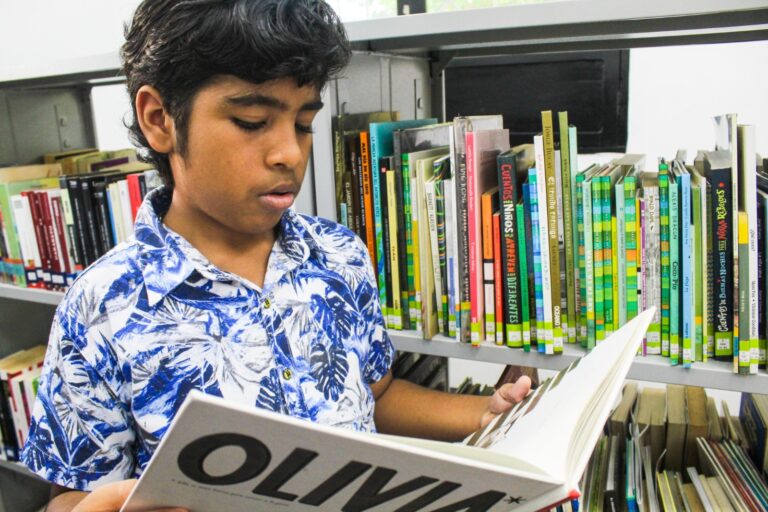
(55, 224)
(518, 246)
(677, 453)
(19, 376)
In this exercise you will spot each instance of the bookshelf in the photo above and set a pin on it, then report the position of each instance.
(397, 66)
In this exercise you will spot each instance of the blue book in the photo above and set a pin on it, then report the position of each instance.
(536, 243)
(686, 264)
(675, 274)
(382, 146)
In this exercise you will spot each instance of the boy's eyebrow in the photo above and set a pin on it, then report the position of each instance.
(261, 100)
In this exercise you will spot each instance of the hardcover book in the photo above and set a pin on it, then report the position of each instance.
(224, 457)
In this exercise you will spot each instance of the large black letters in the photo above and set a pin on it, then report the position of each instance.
(193, 455)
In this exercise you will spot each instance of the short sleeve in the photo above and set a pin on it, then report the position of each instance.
(381, 352)
(79, 436)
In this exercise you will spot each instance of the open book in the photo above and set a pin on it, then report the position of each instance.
(221, 457)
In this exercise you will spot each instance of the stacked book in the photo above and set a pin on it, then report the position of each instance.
(519, 246)
(61, 216)
(19, 376)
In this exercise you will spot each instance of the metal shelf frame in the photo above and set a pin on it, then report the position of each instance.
(712, 374)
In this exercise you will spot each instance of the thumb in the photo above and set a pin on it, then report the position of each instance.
(107, 498)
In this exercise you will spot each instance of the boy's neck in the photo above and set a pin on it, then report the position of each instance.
(243, 254)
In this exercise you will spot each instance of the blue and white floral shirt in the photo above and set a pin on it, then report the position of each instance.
(153, 319)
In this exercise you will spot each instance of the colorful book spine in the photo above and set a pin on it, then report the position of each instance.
(574, 172)
(589, 262)
(621, 260)
(450, 253)
(747, 162)
(675, 271)
(396, 314)
(608, 244)
(434, 249)
(489, 203)
(568, 233)
(762, 272)
(697, 290)
(664, 244)
(582, 266)
(553, 237)
(477, 301)
(598, 257)
(742, 350)
(686, 265)
(529, 257)
(524, 304)
(546, 333)
(509, 255)
(537, 265)
(630, 224)
(442, 248)
(651, 262)
(367, 197)
(497, 279)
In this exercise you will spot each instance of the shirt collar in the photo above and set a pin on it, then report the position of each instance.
(167, 259)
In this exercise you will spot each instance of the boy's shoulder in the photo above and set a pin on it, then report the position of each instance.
(108, 279)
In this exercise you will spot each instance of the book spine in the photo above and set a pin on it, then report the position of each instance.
(698, 292)
(10, 440)
(621, 233)
(568, 232)
(102, 217)
(675, 272)
(578, 276)
(589, 265)
(527, 230)
(536, 238)
(451, 250)
(762, 243)
(134, 191)
(403, 223)
(69, 219)
(598, 258)
(489, 288)
(442, 250)
(581, 333)
(497, 279)
(13, 262)
(743, 349)
(434, 252)
(25, 235)
(462, 218)
(475, 268)
(410, 237)
(651, 266)
(365, 179)
(358, 191)
(509, 253)
(89, 211)
(748, 189)
(417, 224)
(609, 234)
(385, 261)
(59, 232)
(546, 339)
(525, 314)
(44, 270)
(379, 205)
(722, 233)
(396, 315)
(686, 265)
(552, 207)
(630, 225)
(338, 168)
(664, 242)
(55, 253)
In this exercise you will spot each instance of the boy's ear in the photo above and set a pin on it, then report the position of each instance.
(156, 123)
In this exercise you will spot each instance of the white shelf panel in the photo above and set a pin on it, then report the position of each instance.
(712, 374)
(571, 22)
(8, 291)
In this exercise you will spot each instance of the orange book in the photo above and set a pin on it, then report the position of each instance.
(489, 203)
(365, 176)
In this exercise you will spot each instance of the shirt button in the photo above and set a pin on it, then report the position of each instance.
(267, 303)
(287, 374)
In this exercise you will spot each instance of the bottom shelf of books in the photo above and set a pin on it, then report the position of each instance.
(714, 374)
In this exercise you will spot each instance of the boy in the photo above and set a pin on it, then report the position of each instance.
(224, 289)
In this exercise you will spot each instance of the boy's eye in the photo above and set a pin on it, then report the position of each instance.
(304, 128)
(248, 126)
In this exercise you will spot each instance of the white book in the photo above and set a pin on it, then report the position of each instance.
(25, 232)
(125, 207)
(545, 334)
(250, 459)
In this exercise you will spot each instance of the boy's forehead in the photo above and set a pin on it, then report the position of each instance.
(280, 93)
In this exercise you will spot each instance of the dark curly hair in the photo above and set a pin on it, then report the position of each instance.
(178, 46)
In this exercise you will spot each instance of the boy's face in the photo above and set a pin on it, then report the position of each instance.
(247, 151)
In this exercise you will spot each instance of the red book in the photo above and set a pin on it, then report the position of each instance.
(61, 237)
(134, 192)
(44, 273)
(55, 266)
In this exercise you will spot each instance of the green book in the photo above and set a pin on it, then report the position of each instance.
(523, 265)
(582, 266)
(621, 237)
(589, 260)
(597, 258)
(675, 287)
(664, 238)
(568, 239)
(630, 225)
(697, 288)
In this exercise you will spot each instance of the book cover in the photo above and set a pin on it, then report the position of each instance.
(298, 465)
(498, 279)
(489, 202)
(396, 313)
(568, 215)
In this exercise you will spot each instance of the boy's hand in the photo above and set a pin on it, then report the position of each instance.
(504, 398)
(111, 497)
